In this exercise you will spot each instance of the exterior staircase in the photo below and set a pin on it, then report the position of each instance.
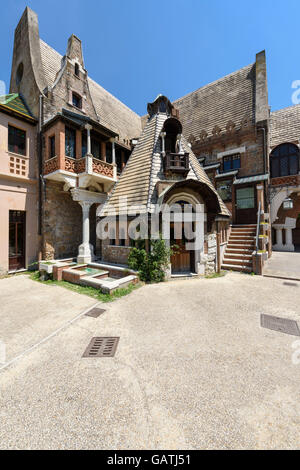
(241, 244)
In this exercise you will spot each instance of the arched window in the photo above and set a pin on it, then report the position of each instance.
(172, 128)
(284, 160)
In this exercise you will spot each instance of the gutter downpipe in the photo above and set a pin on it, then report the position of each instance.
(265, 161)
(40, 168)
(257, 237)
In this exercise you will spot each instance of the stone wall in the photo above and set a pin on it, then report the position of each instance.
(62, 220)
(208, 257)
(114, 253)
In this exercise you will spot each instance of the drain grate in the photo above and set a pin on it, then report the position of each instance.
(95, 312)
(284, 325)
(101, 347)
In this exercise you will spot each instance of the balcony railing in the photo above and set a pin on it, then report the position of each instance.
(81, 165)
(177, 162)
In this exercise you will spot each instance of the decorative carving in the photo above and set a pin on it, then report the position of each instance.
(103, 168)
(70, 164)
(203, 136)
(192, 139)
(80, 165)
(51, 165)
(216, 131)
(246, 123)
(230, 126)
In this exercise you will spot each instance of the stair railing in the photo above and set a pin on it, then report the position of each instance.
(257, 236)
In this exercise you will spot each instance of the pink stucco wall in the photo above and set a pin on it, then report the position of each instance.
(18, 189)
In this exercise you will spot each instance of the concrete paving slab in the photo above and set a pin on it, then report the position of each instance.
(284, 265)
(193, 370)
(30, 311)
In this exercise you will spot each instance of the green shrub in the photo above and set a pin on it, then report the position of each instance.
(150, 265)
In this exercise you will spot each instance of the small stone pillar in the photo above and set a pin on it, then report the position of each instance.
(86, 250)
(289, 246)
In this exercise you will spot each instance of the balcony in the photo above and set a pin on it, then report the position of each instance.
(176, 163)
(81, 172)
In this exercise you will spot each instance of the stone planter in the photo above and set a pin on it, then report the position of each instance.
(44, 266)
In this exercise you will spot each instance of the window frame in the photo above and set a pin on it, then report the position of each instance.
(51, 141)
(278, 158)
(67, 129)
(76, 96)
(10, 150)
(231, 158)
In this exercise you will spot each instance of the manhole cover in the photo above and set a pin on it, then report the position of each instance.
(101, 347)
(95, 312)
(284, 325)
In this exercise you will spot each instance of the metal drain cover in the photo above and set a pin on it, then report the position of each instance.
(101, 347)
(95, 312)
(284, 325)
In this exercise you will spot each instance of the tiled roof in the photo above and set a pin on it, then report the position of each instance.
(231, 98)
(112, 113)
(144, 170)
(285, 125)
(16, 103)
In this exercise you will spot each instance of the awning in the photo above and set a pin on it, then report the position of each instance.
(251, 179)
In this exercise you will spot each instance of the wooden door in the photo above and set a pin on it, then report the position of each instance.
(17, 225)
(182, 258)
(246, 205)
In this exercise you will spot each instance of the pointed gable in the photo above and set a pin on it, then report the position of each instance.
(144, 168)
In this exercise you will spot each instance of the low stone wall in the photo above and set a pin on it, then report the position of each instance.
(115, 254)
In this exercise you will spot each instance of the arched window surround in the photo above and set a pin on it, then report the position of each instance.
(284, 160)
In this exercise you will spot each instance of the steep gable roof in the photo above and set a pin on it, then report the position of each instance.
(285, 125)
(112, 112)
(144, 170)
(231, 98)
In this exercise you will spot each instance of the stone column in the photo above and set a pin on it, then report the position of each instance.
(278, 245)
(163, 136)
(86, 250)
(89, 156)
(289, 246)
(113, 148)
(88, 128)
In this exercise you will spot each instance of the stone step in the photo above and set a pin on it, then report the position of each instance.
(236, 267)
(245, 256)
(244, 226)
(243, 232)
(238, 261)
(241, 242)
(239, 251)
(241, 237)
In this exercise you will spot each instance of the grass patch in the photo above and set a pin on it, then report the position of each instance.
(214, 275)
(89, 291)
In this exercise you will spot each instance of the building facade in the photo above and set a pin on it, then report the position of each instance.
(18, 185)
(87, 142)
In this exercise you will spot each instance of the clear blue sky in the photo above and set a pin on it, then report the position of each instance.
(139, 48)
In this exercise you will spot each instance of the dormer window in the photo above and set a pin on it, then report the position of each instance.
(76, 70)
(76, 100)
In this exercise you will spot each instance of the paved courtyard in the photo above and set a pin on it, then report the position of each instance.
(283, 265)
(193, 369)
